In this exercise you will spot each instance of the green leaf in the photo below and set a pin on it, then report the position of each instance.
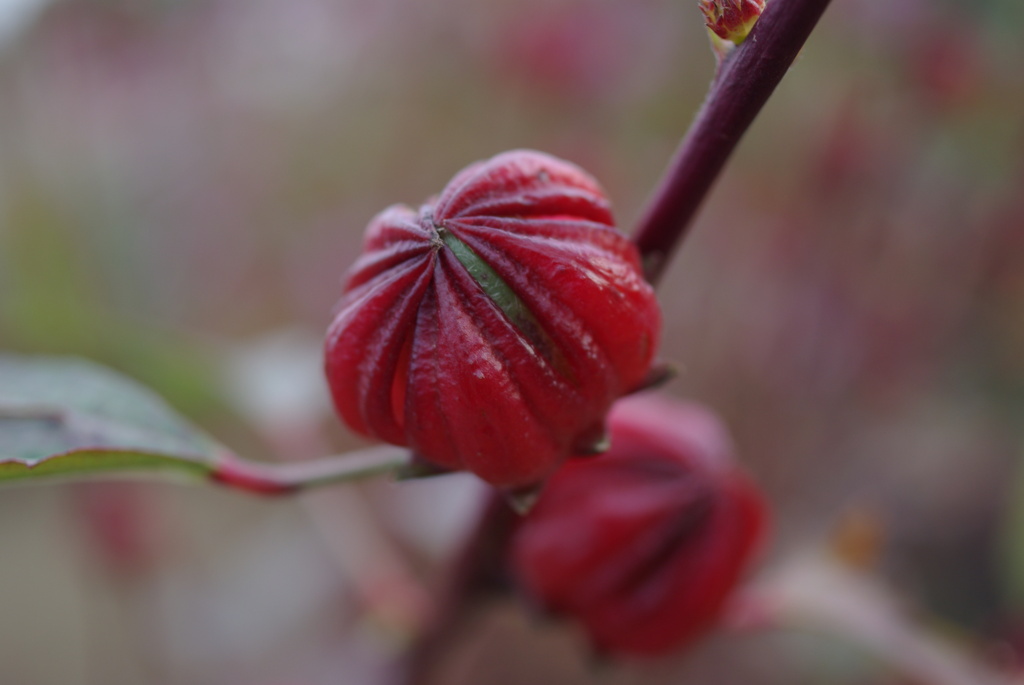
(73, 419)
(70, 418)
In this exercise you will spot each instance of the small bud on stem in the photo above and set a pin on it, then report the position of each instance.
(731, 20)
(742, 86)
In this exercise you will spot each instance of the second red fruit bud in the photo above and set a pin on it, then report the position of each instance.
(644, 544)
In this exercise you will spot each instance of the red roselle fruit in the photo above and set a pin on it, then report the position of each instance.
(492, 329)
(643, 544)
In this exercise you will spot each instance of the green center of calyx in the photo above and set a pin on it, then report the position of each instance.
(499, 292)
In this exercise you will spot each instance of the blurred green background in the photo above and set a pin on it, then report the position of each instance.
(183, 184)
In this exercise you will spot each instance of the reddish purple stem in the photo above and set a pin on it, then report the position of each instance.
(747, 78)
(477, 571)
(286, 479)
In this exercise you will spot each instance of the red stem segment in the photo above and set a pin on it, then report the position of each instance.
(286, 479)
(477, 571)
(747, 78)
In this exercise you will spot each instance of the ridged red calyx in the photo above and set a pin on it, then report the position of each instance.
(644, 543)
(491, 330)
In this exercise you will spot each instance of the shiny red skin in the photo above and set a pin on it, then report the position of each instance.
(419, 355)
(644, 543)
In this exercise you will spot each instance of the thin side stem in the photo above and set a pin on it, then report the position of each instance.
(285, 479)
(747, 78)
(821, 595)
